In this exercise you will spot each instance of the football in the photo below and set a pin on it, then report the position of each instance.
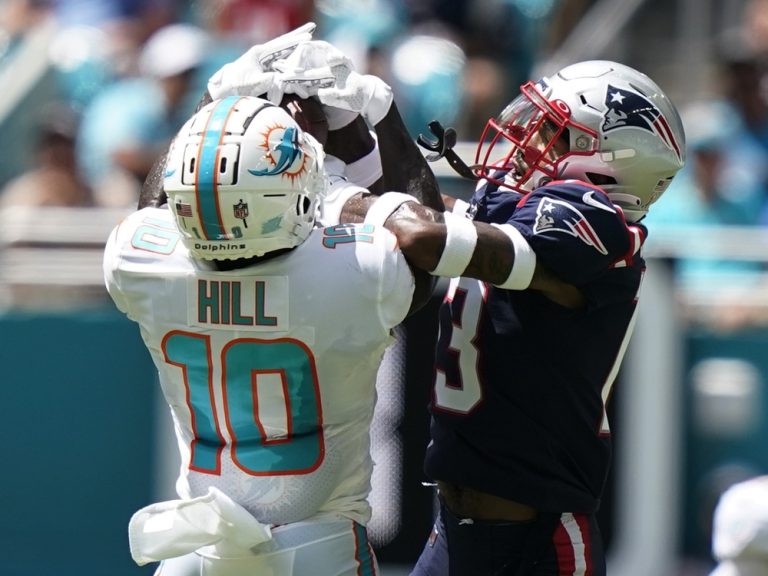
(308, 114)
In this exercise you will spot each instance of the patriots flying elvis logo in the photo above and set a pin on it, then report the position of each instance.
(558, 216)
(628, 109)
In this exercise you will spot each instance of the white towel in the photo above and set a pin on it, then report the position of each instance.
(177, 527)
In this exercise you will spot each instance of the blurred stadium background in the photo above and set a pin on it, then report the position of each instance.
(86, 435)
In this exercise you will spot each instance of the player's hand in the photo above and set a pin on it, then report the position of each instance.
(252, 74)
(317, 68)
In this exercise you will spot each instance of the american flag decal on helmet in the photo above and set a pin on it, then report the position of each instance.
(559, 216)
(628, 109)
(183, 209)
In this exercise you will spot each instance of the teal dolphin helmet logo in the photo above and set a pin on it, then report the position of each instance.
(284, 154)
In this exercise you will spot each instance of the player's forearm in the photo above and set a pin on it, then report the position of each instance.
(352, 143)
(152, 193)
(423, 237)
(405, 168)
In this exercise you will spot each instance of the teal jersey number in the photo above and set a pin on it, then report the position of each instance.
(347, 233)
(155, 236)
(263, 382)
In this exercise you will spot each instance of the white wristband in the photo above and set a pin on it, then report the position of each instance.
(385, 205)
(525, 260)
(460, 207)
(460, 242)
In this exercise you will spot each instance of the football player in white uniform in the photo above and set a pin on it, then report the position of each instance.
(267, 333)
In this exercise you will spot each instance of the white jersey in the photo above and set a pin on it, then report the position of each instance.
(269, 370)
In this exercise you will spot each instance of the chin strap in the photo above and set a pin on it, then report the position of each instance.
(443, 148)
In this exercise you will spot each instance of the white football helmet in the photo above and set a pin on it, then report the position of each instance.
(597, 121)
(243, 180)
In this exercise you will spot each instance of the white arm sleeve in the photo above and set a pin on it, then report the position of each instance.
(525, 260)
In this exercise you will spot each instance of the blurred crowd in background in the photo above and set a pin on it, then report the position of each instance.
(93, 90)
(122, 75)
(128, 72)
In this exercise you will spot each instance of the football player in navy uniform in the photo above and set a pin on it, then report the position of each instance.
(520, 443)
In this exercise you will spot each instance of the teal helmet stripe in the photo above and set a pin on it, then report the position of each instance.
(206, 183)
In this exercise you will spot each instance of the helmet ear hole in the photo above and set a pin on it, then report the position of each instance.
(600, 179)
(303, 204)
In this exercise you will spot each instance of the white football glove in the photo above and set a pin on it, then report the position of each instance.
(361, 93)
(252, 74)
(317, 68)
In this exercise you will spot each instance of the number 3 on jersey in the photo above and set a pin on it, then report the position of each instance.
(464, 391)
(467, 305)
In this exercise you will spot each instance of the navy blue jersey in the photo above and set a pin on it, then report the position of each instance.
(521, 382)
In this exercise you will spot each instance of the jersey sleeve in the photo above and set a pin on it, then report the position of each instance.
(387, 270)
(132, 248)
(574, 229)
(111, 267)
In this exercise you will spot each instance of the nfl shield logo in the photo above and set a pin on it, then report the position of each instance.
(241, 210)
